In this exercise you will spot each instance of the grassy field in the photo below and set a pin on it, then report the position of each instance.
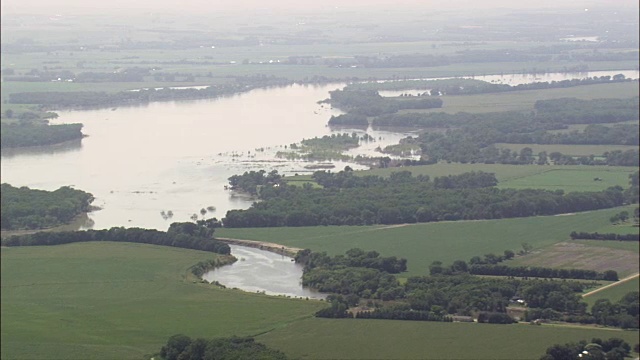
(422, 244)
(387, 339)
(614, 293)
(573, 150)
(524, 100)
(580, 179)
(121, 301)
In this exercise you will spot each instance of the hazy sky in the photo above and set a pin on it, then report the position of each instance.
(204, 6)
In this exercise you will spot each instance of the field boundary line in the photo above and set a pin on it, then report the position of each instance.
(628, 278)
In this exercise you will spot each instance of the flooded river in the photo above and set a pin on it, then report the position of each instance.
(177, 156)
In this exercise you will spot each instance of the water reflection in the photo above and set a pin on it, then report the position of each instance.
(51, 150)
(262, 271)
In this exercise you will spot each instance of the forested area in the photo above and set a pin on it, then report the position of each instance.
(32, 134)
(360, 277)
(406, 199)
(24, 208)
(175, 237)
(472, 137)
(180, 347)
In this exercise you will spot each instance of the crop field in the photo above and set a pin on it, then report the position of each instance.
(581, 254)
(121, 301)
(614, 293)
(421, 244)
(389, 339)
(524, 100)
(572, 179)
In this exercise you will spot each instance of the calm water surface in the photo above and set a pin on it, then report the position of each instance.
(262, 271)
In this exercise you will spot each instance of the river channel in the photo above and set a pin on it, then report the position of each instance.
(262, 271)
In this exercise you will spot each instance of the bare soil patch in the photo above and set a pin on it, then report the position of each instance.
(579, 256)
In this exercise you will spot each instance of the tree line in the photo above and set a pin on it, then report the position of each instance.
(597, 236)
(472, 86)
(182, 347)
(541, 272)
(172, 237)
(371, 103)
(25, 208)
(31, 134)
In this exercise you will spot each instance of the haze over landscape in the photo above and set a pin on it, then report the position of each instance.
(320, 180)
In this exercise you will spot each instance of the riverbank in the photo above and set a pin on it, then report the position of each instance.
(262, 245)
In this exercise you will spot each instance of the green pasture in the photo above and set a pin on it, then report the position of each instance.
(580, 179)
(390, 339)
(421, 244)
(121, 301)
(614, 293)
(525, 99)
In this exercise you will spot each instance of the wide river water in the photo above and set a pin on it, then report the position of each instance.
(177, 156)
(262, 271)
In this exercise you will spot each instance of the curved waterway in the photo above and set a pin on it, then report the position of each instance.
(262, 271)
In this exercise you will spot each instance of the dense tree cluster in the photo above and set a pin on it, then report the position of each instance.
(120, 234)
(352, 258)
(24, 208)
(612, 349)
(350, 200)
(202, 267)
(182, 347)
(31, 134)
(597, 236)
(403, 312)
(251, 181)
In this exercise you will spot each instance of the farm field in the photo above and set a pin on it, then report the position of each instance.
(524, 100)
(121, 301)
(571, 180)
(573, 150)
(389, 339)
(614, 293)
(424, 243)
(579, 254)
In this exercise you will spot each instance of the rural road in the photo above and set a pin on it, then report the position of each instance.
(611, 285)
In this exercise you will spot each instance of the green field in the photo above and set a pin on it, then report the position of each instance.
(424, 243)
(524, 100)
(388, 339)
(614, 293)
(121, 301)
(581, 179)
